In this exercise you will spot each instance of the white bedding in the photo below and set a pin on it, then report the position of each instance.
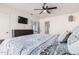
(36, 44)
(23, 44)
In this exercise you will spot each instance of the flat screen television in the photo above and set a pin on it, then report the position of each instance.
(22, 20)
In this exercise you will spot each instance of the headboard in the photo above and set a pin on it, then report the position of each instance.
(16, 33)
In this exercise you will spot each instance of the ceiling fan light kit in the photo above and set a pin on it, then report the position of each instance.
(45, 11)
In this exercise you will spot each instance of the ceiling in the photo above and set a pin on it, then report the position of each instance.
(29, 7)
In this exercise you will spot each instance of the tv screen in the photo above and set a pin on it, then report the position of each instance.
(22, 20)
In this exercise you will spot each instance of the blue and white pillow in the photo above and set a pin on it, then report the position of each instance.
(73, 42)
(63, 37)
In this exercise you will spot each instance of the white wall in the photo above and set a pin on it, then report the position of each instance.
(12, 15)
(60, 23)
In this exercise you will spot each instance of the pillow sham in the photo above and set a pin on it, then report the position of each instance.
(73, 42)
(64, 36)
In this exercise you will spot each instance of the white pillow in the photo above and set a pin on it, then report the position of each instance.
(73, 42)
(62, 36)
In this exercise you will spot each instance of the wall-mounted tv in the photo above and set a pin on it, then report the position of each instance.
(22, 20)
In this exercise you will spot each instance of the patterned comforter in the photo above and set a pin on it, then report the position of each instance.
(35, 44)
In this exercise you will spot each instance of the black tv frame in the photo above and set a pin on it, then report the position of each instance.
(22, 20)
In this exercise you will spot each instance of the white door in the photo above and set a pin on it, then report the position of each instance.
(4, 26)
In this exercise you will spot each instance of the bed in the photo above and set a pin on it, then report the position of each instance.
(37, 44)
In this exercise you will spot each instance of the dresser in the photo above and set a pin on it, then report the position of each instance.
(16, 33)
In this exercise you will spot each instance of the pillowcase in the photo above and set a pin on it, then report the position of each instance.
(64, 36)
(73, 42)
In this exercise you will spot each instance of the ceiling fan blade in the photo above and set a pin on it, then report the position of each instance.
(53, 8)
(46, 7)
(38, 9)
(48, 11)
(44, 4)
(41, 12)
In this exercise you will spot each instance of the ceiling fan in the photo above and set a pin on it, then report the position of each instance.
(45, 8)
